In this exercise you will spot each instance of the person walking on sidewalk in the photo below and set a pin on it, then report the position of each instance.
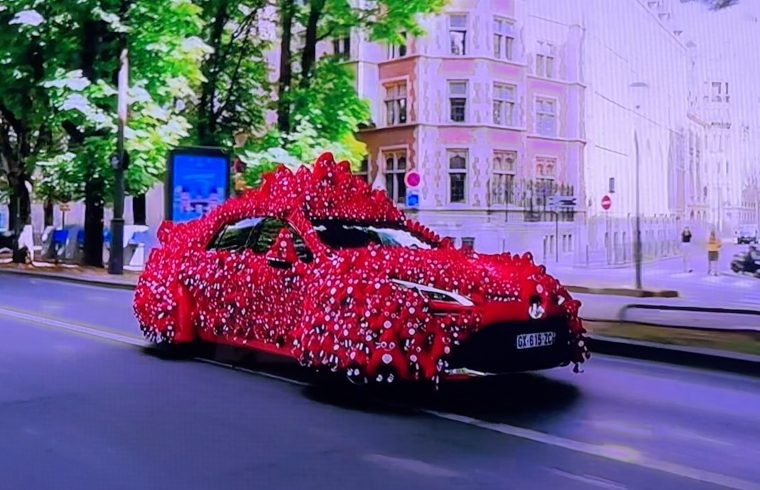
(686, 249)
(713, 247)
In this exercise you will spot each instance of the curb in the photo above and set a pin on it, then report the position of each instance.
(636, 293)
(712, 359)
(69, 278)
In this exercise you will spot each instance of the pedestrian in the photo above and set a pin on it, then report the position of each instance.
(713, 247)
(686, 249)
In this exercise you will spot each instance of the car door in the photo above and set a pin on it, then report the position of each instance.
(277, 288)
(221, 304)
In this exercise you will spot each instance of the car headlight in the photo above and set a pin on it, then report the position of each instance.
(435, 294)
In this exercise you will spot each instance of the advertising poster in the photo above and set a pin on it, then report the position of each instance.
(197, 182)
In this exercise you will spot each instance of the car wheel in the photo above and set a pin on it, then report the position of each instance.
(173, 350)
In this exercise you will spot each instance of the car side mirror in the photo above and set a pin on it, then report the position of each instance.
(282, 254)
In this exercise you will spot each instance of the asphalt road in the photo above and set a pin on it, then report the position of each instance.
(83, 406)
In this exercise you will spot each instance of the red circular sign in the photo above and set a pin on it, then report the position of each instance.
(606, 202)
(413, 178)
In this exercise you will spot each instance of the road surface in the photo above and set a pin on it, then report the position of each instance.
(83, 406)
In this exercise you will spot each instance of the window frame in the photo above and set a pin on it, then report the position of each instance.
(507, 173)
(546, 61)
(451, 172)
(394, 49)
(394, 101)
(396, 173)
(538, 114)
(504, 104)
(503, 38)
(452, 29)
(452, 96)
(342, 47)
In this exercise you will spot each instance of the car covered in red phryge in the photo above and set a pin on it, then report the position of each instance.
(317, 265)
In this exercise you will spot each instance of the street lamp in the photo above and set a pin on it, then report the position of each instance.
(639, 91)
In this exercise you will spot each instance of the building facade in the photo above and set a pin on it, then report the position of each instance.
(487, 106)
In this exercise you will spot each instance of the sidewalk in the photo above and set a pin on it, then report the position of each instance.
(78, 274)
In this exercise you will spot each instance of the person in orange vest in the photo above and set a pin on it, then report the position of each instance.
(713, 247)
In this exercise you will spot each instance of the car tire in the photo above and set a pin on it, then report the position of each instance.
(173, 350)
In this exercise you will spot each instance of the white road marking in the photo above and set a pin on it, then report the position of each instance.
(589, 479)
(614, 453)
(73, 327)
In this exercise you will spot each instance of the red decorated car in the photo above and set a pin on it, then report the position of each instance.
(316, 265)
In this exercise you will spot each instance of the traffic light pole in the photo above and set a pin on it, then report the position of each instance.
(116, 259)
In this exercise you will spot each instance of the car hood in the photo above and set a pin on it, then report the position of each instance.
(483, 278)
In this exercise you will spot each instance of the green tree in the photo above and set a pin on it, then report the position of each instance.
(32, 34)
(236, 92)
(165, 53)
(318, 108)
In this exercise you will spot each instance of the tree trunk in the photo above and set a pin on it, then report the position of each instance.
(93, 222)
(20, 209)
(284, 85)
(139, 210)
(206, 110)
(49, 209)
(309, 55)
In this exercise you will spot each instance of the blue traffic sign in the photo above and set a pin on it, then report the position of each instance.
(412, 199)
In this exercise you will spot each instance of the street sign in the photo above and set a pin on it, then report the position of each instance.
(562, 202)
(412, 178)
(412, 199)
(606, 202)
(64, 207)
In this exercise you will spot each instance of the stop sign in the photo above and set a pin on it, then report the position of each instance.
(606, 202)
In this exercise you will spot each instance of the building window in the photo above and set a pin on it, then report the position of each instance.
(545, 62)
(363, 171)
(546, 168)
(395, 104)
(503, 104)
(457, 175)
(546, 116)
(457, 101)
(458, 34)
(503, 39)
(468, 242)
(395, 170)
(503, 177)
(342, 47)
(397, 50)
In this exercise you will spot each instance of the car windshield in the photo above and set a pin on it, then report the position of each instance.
(341, 235)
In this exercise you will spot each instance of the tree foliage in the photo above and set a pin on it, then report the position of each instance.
(236, 92)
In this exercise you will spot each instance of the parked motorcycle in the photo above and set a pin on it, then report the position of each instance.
(746, 262)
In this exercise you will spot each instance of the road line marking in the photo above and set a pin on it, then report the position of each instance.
(73, 327)
(590, 479)
(611, 453)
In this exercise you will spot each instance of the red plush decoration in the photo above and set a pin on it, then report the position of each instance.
(341, 309)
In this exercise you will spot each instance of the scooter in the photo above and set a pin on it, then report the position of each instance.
(743, 262)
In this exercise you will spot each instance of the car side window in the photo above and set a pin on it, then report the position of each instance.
(235, 236)
(266, 233)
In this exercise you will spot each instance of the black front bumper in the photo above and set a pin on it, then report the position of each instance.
(493, 349)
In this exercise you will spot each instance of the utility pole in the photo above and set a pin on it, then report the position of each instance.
(116, 259)
(637, 225)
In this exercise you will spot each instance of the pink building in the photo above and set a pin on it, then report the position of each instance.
(488, 107)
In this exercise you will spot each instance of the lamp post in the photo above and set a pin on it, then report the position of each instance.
(638, 91)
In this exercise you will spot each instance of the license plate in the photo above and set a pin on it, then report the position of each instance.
(538, 339)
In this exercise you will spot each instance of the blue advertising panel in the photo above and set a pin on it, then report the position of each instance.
(198, 180)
